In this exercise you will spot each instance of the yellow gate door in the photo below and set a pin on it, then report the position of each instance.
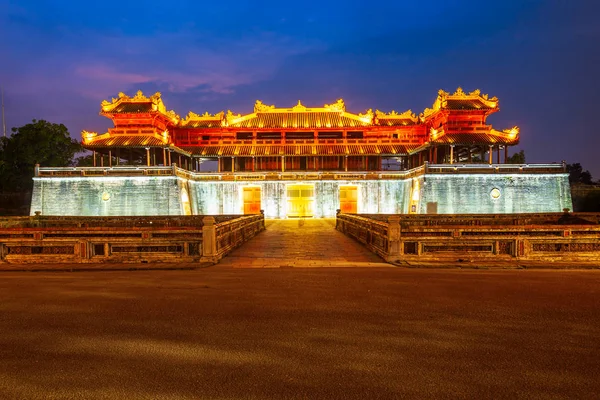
(349, 199)
(251, 199)
(300, 200)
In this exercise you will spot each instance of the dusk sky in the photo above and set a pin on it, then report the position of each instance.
(60, 59)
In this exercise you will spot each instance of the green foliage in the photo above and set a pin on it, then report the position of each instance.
(40, 142)
(517, 158)
(578, 175)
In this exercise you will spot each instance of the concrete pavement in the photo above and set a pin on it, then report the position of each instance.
(320, 333)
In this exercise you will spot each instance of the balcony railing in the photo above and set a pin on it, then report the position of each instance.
(301, 175)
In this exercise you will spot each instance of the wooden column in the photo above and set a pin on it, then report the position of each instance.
(110, 158)
(491, 154)
(148, 156)
(94, 157)
(219, 164)
(253, 164)
(346, 162)
(165, 156)
(232, 164)
(169, 153)
(118, 159)
(282, 163)
(451, 154)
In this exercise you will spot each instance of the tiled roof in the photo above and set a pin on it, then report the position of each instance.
(132, 108)
(475, 138)
(465, 104)
(395, 122)
(216, 123)
(300, 150)
(294, 120)
(127, 141)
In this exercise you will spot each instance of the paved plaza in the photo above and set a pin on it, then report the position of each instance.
(305, 333)
(301, 243)
(300, 311)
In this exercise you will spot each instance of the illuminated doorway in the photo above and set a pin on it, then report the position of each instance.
(185, 202)
(251, 196)
(300, 201)
(349, 199)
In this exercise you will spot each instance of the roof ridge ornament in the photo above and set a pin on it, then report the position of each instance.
(337, 106)
(231, 118)
(259, 106)
(459, 92)
(367, 117)
(299, 107)
(139, 96)
(394, 114)
(192, 116)
(512, 132)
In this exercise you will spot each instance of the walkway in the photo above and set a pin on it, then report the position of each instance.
(301, 243)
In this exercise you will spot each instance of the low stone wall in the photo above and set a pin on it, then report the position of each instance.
(429, 189)
(59, 240)
(550, 237)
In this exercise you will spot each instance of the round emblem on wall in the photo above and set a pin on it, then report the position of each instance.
(495, 193)
(106, 196)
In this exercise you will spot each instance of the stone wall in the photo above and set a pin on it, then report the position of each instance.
(431, 190)
(382, 196)
(107, 196)
(494, 193)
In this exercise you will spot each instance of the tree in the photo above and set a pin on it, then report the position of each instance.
(40, 142)
(578, 175)
(517, 158)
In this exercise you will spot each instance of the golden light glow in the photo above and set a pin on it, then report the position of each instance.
(415, 191)
(88, 136)
(155, 100)
(433, 133)
(513, 132)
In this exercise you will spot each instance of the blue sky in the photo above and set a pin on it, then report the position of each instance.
(60, 59)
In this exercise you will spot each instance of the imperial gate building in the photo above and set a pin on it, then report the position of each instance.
(301, 162)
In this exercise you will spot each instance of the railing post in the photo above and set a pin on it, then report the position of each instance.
(209, 239)
(393, 238)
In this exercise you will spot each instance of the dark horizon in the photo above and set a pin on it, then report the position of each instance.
(537, 57)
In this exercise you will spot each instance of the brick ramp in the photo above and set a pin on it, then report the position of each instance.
(302, 243)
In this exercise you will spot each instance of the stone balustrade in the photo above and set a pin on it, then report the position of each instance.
(549, 237)
(51, 240)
